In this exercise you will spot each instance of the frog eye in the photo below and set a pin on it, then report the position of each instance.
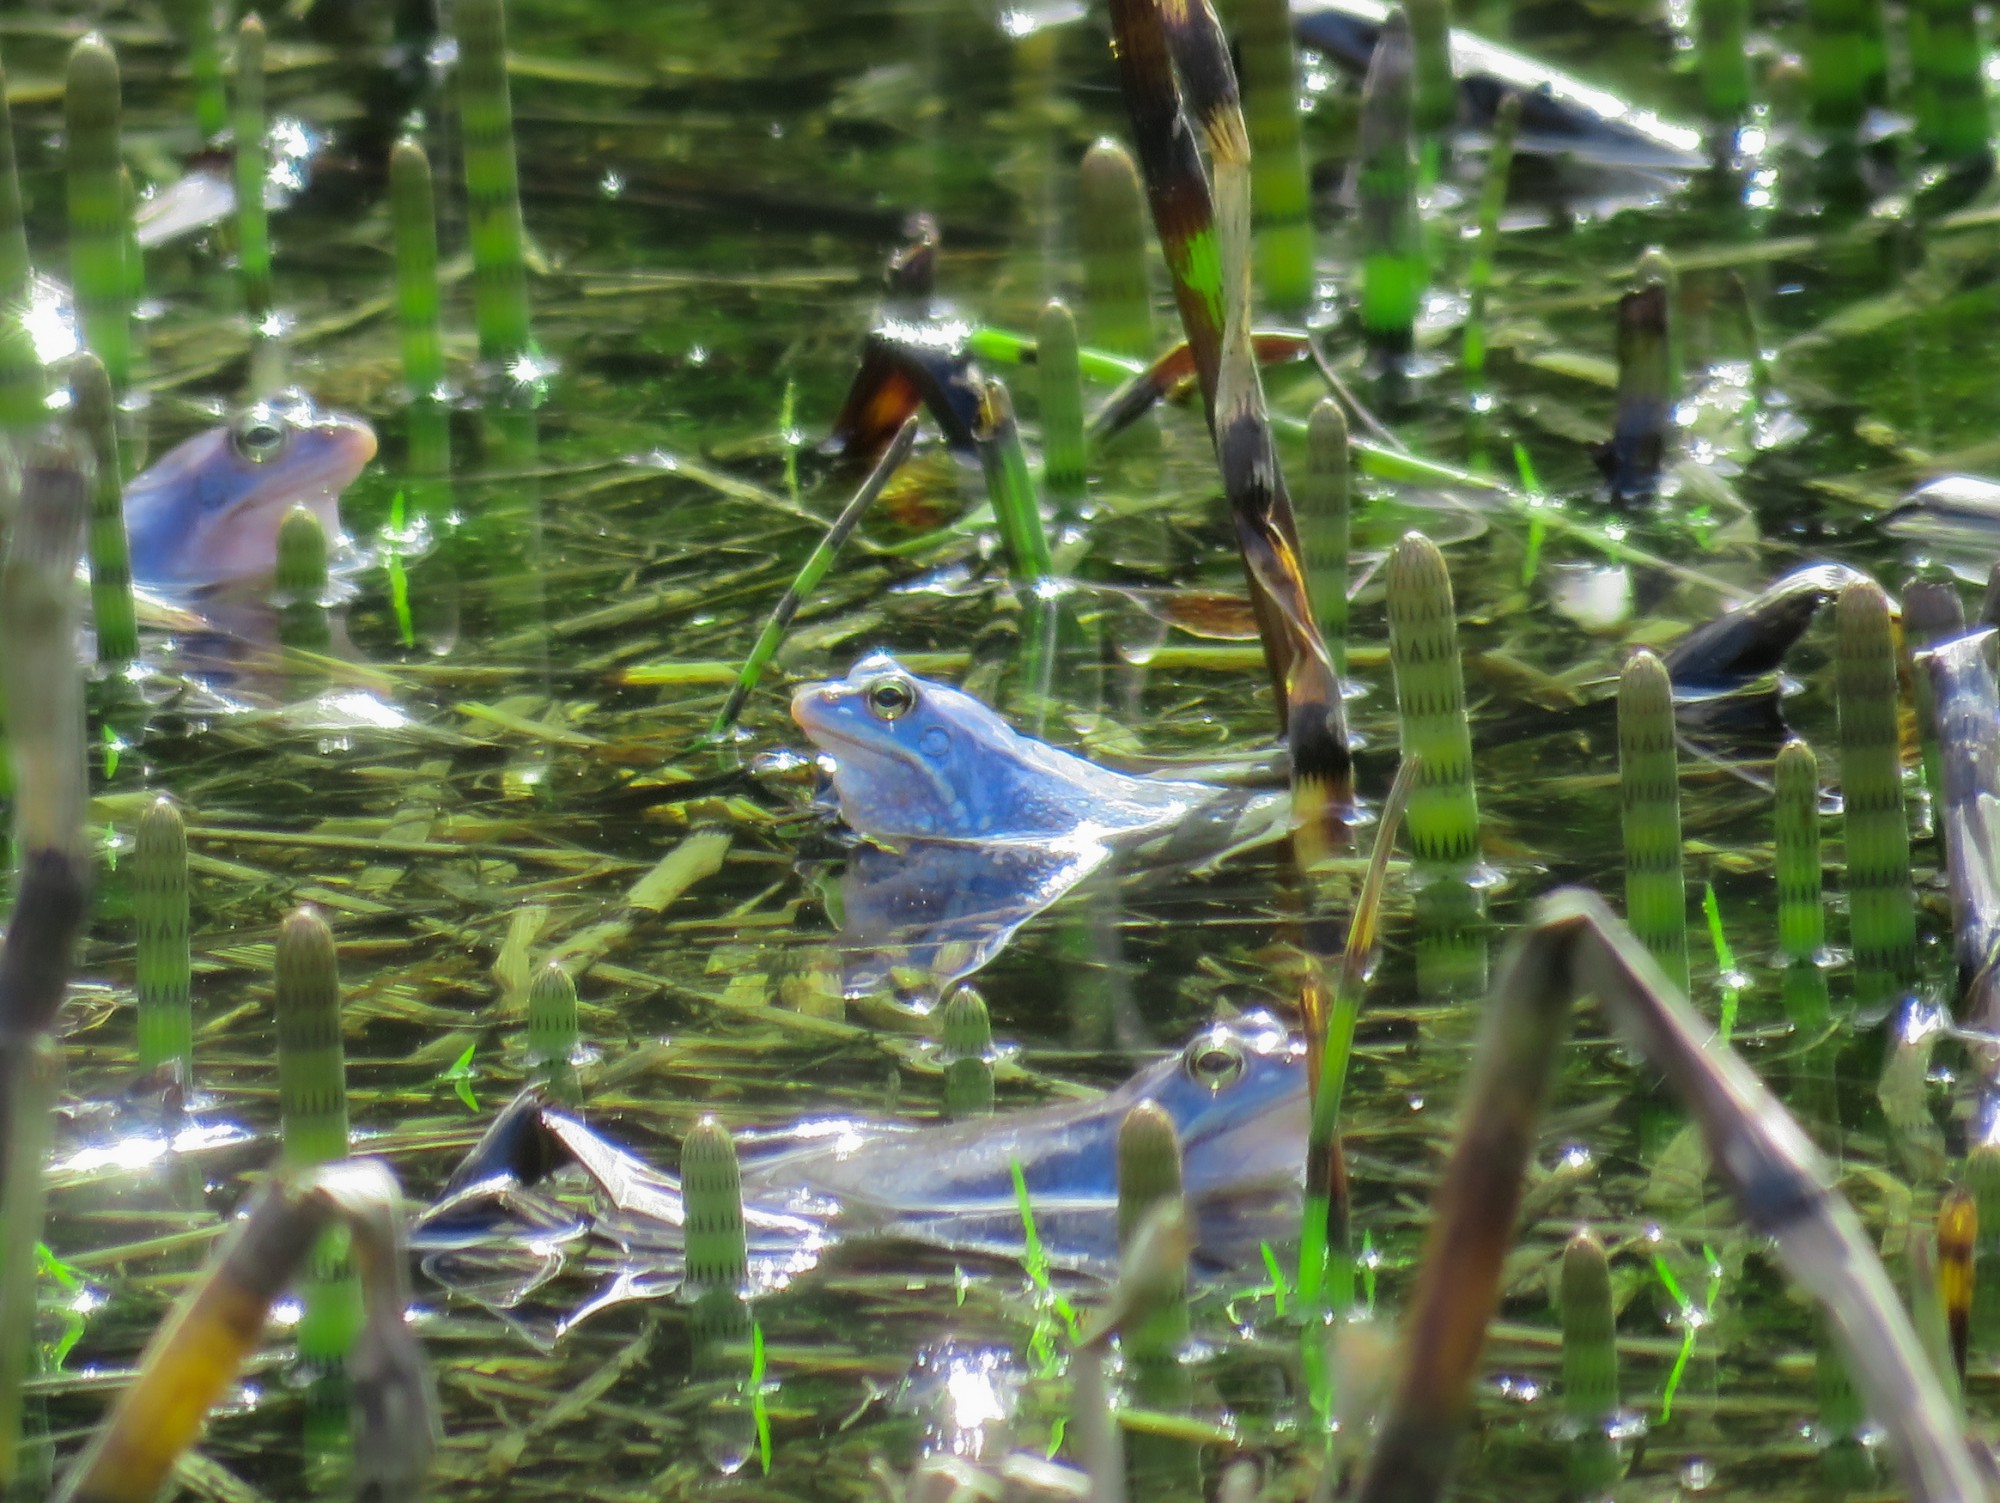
(891, 698)
(258, 437)
(1215, 1061)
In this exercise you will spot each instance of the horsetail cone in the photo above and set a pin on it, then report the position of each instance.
(253, 225)
(160, 905)
(492, 182)
(1443, 817)
(553, 1030)
(1800, 870)
(1280, 188)
(1323, 501)
(1062, 411)
(1149, 1165)
(312, 1085)
(718, 1257)
(1111, 226)
(91, 111)
(1880, 899)
(1393, 272)
(1650, 796)
(1589, 1337)
(968, 1048)
(112, 612)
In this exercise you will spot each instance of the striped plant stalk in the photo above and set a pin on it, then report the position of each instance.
(196, 20)
(128, 229)
(1149, 1178)
(1280, 189)
(1063, 476)
(253, 224)
(1492, 199)
(413, 216)
(1324, 500)
(1948, 76)
(160, 906)
(1393, 270)
(1111, 229)
(717, 1282)
(1010, 487)
(1801, 902)
(554, 1032)
(14, 264)
(111, 608)
(1433, 89)
(1881, 900)
(1430, 702)
(967, 1055)
(1589, 1362)
(1650, 795)
(492, 183)
(1932, 613)
(1722, 57)
(97, 206)
(1847, 61)
(303, 623)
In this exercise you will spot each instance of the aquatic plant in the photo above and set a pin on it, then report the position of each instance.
(1062, 411)
(92, 114)
(1111, 232)
(1880, 899)
(162, 967)
(1649, 794)
(253, 225)
(112, 616)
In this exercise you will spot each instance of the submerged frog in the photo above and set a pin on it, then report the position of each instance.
(914, 759)
(1236, 1093)
(207, 514)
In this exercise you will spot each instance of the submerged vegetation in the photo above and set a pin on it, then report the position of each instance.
(970, 881)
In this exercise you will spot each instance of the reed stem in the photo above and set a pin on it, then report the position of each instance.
(253, 224)
(97, 206)
(1880, 897)
(1111, 227)
(1063, 470)
(1430, 701)
(111, 608)
(1650, 795)
(160, 905)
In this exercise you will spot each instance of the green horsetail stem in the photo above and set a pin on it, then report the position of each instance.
(1650, 796)
(23, 382)
(718, 1257)
(1433, 90)
(1982, 1177)
(1932, 613)
(1322, 502)
(554, 1032)
(14, 264)
(253, 224)
(128, 227)
(1149, 1178)
(1149, 1165)
(1655, 266)
(1589, 1363)
(1111, 229)
(24, 1146)
(1492, 199)
(1062, 411)
(1430, 703)
(303, 623)
(1948, 76)
(1847, 61)
(23, 387)
(1010, 487)
(1392, 248)
(1800, 870)
(160, 907)
(199, 34)
(1957, 1274)
(1722, 57)
(1267, 62)
(97, 206)
(1881, 901)
(492, 182)
(413, 215)
(111, 608)
(967, 1055)
(1643, 419)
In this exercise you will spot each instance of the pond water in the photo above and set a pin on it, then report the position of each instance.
(492, 773)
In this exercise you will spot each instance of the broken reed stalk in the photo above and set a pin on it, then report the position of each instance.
(413, 217)
(42, 688)
(1393, 270)
(1880, 897)
(1324, 514)
(967, 1055)
(215, 1328)
(1280, 188)
(1722, 58)
(1650, 800)
(492, 183)
(97, 207)
(1326, 1267)
(1492, 199)
(554, 1034)
(94, 415)
(1207, 241)
(1111, 231)
(1430, 703)
(1782, 1188)
(1847, 62)
(160, 910)
(253, 223)
(1063, 477)
(811, 572)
